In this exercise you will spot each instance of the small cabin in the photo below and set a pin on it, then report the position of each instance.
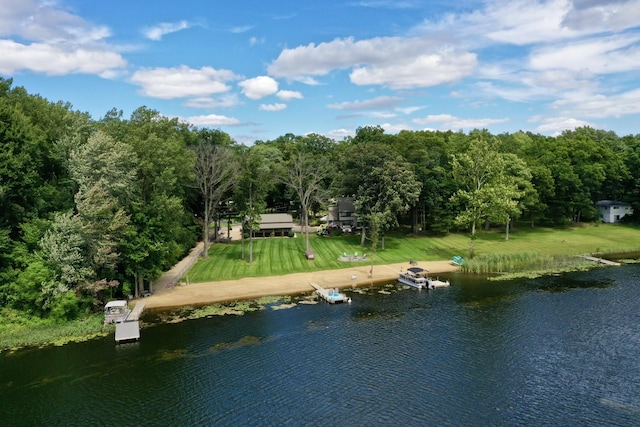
(272, 225)
(116, 312)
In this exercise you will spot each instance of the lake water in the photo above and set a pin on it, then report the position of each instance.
(556, 351)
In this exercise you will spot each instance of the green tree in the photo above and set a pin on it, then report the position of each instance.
(382, 183)
(485, 190)
(162, 228)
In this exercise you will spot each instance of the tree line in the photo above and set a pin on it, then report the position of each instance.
(91, 209)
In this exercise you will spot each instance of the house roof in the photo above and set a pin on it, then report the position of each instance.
(611, 203)
(275, 221)
(346, 204)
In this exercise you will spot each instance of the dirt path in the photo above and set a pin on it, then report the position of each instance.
(290, 284)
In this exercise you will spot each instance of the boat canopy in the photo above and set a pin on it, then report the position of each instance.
(416, 270)
(116, 304)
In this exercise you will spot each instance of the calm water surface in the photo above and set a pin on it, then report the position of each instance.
(557, 351)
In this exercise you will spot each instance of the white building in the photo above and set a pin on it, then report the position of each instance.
(612, 211)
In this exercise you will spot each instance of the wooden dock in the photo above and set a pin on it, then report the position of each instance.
(129, 330)
(331, 296)
(136, 312)
(600, 260)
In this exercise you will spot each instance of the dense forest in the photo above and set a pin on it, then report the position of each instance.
(93, 209)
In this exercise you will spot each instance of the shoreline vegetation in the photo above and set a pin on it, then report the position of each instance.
(528, 253)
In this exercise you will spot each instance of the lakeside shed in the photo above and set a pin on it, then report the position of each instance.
(278, 224)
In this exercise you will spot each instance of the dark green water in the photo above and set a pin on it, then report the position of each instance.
(558, 351)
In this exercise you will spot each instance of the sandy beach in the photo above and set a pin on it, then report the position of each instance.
(292, 284)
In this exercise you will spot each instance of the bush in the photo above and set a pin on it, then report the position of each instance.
(65, 306)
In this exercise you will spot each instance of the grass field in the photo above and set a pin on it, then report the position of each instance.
(278, 256)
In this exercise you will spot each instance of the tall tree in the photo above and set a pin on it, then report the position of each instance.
(485, 191)
(256, 179)
(105, 173)
(215, 174)
(163, 230)
(306, 174)
(381, 181)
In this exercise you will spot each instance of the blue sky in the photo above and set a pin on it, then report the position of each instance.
(258, 69)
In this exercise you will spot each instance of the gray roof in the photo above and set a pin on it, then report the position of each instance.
(275, 221)
(611, 203)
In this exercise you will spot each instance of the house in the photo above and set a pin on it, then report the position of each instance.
(277, 224)
(613, 211)
(343, 213)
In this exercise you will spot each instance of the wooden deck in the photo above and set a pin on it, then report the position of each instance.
(330, 295)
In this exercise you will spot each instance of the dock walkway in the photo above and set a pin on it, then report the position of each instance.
(136, 312)
(600, 260)
(129, 330)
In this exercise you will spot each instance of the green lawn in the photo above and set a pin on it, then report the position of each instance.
(278, 256)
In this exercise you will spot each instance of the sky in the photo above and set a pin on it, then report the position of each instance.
(258, 70)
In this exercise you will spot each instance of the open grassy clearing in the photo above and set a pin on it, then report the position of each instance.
(278, 256)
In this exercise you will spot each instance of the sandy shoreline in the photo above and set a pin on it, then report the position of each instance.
(255, 287)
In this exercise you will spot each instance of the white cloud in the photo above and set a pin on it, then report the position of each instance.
(287, 95)
(339, 134)
(53, 41)
(409, 110)
(230, 100)
(369, 104)
(396, 62)
(394, 128)
(157, 32)
(179, 82)
(43, 22)
(603, 15)
(212, 120)
(55, 60)
(518, 22)
(258, 87)
(599, 105)
(241, 29)
(605, 55)
(555, 125)
(450, 122)
(272, 107)
(254, 41)
(421, 71)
